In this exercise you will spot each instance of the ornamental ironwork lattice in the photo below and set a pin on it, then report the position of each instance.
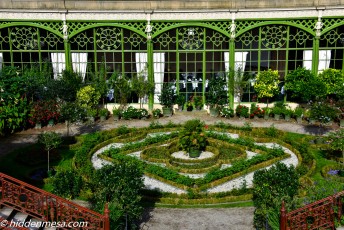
(135, 40)
(333, 36)
(305, 23)
(108, 38)
(241, 25)
(217, 39)
(190, 38)
(274, 36)
(24, 38)
(82, 39)
(329, 22)
(247, 38)
(157, 27)
(4, 38)
(301, 37)
(165, 40)
(51, 39)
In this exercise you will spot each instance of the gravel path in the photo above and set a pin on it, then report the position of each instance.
(181, 219)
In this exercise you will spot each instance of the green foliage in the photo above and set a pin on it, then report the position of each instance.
(166, 97)
(141, 86)
(336, 141)
(88, 97)
(67, 184)
(267, 83)
(133, 113)
(333, 79)
(272, 131)
(64, 88)
(104, 112)
(157, 113)
(323, 111)
(14, 107)
(227, 112)
(122, 89)
(242, 111)
(303, 84)
(50, 141)
(321, 189)
(298, 111)
(120, 185)
(217, 95)
(180, 100)
(192, 136)
(270, 186)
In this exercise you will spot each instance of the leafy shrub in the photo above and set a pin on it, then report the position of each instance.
(192, 136)
(227, 112)
(270, 186)
(67, 184)
(88, 97)
(119, 184)
(242, 111)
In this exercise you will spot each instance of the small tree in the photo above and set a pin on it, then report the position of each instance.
(119, 185)
(50, 140)
(142, 87)
(336, 140)
(122, 88)
(71, 112)
(267, 84)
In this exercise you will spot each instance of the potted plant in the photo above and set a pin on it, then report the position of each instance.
(227, 112)
(277, 111)
(116, 112)
(266, 112)
(91, 114)
(180, 101)
(323, 112)
(256, 111)
(217, 95)
(192, 138)
(189, 106)
(166, 99)
(287, 113)
(298, 113)
(266, 84)
(242, 111)
(156, 113)
(198, 102)
(103, 113)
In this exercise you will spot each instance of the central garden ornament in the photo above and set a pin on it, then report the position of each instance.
(192, 138)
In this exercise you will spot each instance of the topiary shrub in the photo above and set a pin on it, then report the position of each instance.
(192, 137)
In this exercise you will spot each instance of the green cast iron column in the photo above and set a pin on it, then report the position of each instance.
(67, 54)
(150, 67)
(231, 74)
(315, 58)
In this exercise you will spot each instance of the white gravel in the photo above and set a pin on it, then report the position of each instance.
(151, 183)
(183, 155)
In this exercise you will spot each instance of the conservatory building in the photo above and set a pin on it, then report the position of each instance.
(185, 43)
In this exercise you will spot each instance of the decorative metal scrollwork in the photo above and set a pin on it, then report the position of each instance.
(82, 40)
(333, 36)
(247, 38)
(108, 38)
(135, 40)
(165, 39)
(191, 38)
(301, 37)
(274, 36)
(51, 39)
(217, 39)
(24, 38)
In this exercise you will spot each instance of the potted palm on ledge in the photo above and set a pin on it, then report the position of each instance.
(166, 99)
